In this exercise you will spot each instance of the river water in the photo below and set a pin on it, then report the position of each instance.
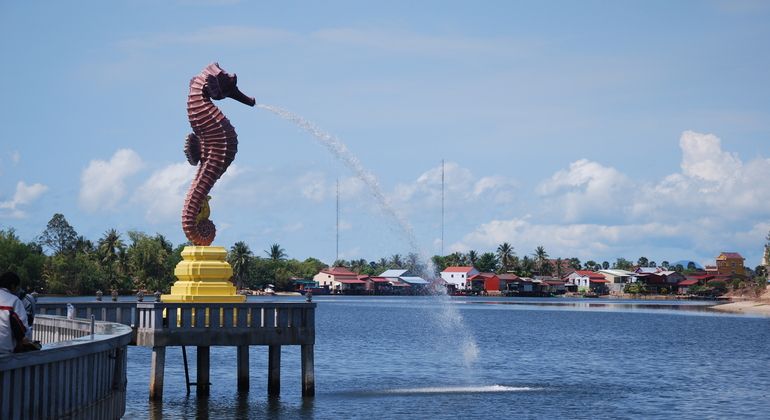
(390, 357)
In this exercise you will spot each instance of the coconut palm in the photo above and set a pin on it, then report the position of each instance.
(505, 255)
(396, 261)
(541, 260)
(240, 259)
(111, 249)
(473, 257)
(276, 253)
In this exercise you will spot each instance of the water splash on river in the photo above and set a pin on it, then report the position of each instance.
(449, 319)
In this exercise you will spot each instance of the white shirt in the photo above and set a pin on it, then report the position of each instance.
(7, 343)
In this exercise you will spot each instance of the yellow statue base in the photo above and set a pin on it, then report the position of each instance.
(204, 276)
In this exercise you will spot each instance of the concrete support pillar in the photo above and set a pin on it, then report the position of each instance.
(274, 371)
(156, 373)
(203, 370)
(243, 368)
(308, 371)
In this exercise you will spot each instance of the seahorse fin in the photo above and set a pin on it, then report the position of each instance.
(192, 149)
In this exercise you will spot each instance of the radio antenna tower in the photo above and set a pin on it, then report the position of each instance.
(442, 207)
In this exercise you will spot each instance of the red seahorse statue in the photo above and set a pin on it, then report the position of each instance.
(213, 143)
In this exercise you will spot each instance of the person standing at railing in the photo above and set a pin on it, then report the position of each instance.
(13, 316)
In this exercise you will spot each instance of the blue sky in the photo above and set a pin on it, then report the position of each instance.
(596, 129)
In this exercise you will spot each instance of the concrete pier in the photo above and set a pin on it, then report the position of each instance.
(239, 325)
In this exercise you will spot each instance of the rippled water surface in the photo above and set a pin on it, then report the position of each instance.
(392, 357)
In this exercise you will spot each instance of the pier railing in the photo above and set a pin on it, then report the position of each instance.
(83, 376)
(120, 312)
(225, 324)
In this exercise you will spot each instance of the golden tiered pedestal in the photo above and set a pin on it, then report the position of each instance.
(204, 276)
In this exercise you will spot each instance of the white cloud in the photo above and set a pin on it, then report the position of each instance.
(164, 191)
(460, 185)
(102, 183)
(15, 157)
(587, 190)
(712, 183)
(25, 194)
(703, 158)
(717, 202)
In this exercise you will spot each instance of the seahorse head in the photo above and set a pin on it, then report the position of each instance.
(220, 85)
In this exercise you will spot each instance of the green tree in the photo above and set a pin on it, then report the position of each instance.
(574, 263)
(635, 288)
(472, 257)
(340, 263)
(541, 261)
(310, 267)
(605, 265)
(148, 260)
(110, 247)
(240, 258)
(559, 269)
(26, 260)
(439, 264)
(623, 264)
(70, 274)
(591, 264)
(526, 267)
(59, 236)
(487, 262)
(396, 261)
(505, 256)
(643, 262)
(276, 253)
(665, 264)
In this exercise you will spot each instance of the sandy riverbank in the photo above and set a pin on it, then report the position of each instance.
(760, 306)
(745, 307)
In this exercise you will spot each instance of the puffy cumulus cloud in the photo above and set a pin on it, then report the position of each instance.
(163, 192)
(716, 202)
(703, 157)
(459, 185)
(103, 183)
(712, 183)
(25, 194)
(587, 190)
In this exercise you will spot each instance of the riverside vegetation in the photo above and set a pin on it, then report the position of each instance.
(60, 261)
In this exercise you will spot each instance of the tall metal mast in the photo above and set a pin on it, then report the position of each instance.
(442, 207)
(338, 220)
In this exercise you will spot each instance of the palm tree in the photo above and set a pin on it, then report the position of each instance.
(396, 262)
(559, 270)
(240, 259)
(276, 253)
(505, 255)
(111, 249)
(526, 266)
(473, 257)
(541, 259)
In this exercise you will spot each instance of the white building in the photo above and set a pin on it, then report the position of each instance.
(457, 277)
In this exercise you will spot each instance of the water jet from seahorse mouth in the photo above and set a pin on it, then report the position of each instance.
(448, 319)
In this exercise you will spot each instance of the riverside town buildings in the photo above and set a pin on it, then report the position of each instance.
(463, 280)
